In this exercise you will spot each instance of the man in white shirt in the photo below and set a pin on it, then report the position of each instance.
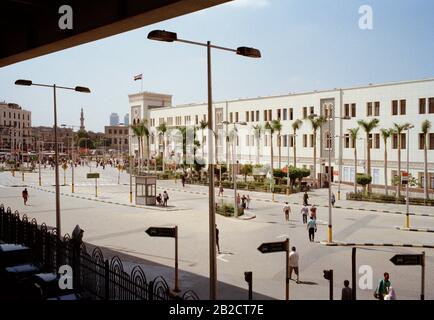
(286, 211)
(293, 263)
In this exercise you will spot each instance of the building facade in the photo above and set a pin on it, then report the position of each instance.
(15, 128)
(400, 103)
(117, 137)
(44, 139)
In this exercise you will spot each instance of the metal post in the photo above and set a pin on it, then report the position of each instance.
(340, 142)
(56, 167)
(212, 231)
(234, 174)
(353, 275)
(287, 271)
(331, 285)
(287, 174)
(72, 170)
(329, 140)
(39, 168)
(131, 179)
(422, 295)
(407, 201)
(176, 261)
(248, 276)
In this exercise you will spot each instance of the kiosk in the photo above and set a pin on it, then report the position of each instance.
(146, 190)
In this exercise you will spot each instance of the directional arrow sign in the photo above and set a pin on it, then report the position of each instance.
(407, 259)
(168, 232)
(269, 247)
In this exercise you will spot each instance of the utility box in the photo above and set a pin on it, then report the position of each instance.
(146, 190)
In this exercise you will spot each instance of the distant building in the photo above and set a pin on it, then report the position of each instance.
(44, 139)
(114, 119)
(127, 119)
(117, 137)
(15, 128)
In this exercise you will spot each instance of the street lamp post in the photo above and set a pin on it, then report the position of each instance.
(162, 35)
(22, 82)
(234, 163)
(407, 200)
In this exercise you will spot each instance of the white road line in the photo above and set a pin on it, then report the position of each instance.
(220, 257)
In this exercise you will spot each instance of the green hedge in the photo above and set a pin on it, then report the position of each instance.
(382, 198)
(227, 210)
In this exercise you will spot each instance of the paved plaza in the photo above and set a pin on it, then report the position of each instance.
(111, 222)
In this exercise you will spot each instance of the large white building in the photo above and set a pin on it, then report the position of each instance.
(400, 102)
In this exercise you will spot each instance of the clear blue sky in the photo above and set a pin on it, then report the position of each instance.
(306, 45)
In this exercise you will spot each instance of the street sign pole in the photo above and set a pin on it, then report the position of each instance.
(270, 247)
(176, 261)
(287, 270)
(422, 295)
(168, 232)
(96, 187)
(353, 279)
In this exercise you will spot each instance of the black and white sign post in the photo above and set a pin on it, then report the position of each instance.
(270, 247)
(96, 177)
(412, 260)
(168, 232)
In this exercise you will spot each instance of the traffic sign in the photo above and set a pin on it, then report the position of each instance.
(404, 178)
(407, 259)
(93, 175)
(168, 232)
(270, 247)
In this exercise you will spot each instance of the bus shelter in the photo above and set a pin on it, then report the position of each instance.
(146, 190)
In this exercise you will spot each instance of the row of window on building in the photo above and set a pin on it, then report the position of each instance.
(374, 141)
(115, 131)
(115, 141)
(15, 117)
(16, 124)
(169, 121)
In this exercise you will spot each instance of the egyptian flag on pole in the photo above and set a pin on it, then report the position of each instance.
(138, 77)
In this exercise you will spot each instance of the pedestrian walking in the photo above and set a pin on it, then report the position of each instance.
(248, 201)
(221, 190)
(238, 200)
(286, 211)
(383, 287)
(304, 213)
(217, 238)
(313, 212)
(311, 227)
(293, 263)
(25, 196)
(243, 202)
(333, 199)
(305, 198)
(347, 292)
(183, 180)
(165, 198)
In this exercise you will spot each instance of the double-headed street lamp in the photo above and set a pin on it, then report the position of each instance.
(234, 163)
(22, 82)
(166, 36)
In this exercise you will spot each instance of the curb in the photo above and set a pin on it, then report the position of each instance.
(415, 229)
(369, 244)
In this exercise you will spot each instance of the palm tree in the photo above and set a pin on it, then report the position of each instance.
(398, 129)
(277, 126)
(138, 131)
(368, 126)
(316, 123)
(146, 134)
(353, 135)
(258, 134)
(426, 127)
(386, 133)
(296, 125)
(269, 126)
(203, 125)
(162, 129)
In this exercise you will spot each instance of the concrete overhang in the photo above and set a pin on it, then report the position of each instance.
(30, 28)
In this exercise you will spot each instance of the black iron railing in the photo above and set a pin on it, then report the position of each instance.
(94, 276)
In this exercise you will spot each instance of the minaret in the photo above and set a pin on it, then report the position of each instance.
(81, 120)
